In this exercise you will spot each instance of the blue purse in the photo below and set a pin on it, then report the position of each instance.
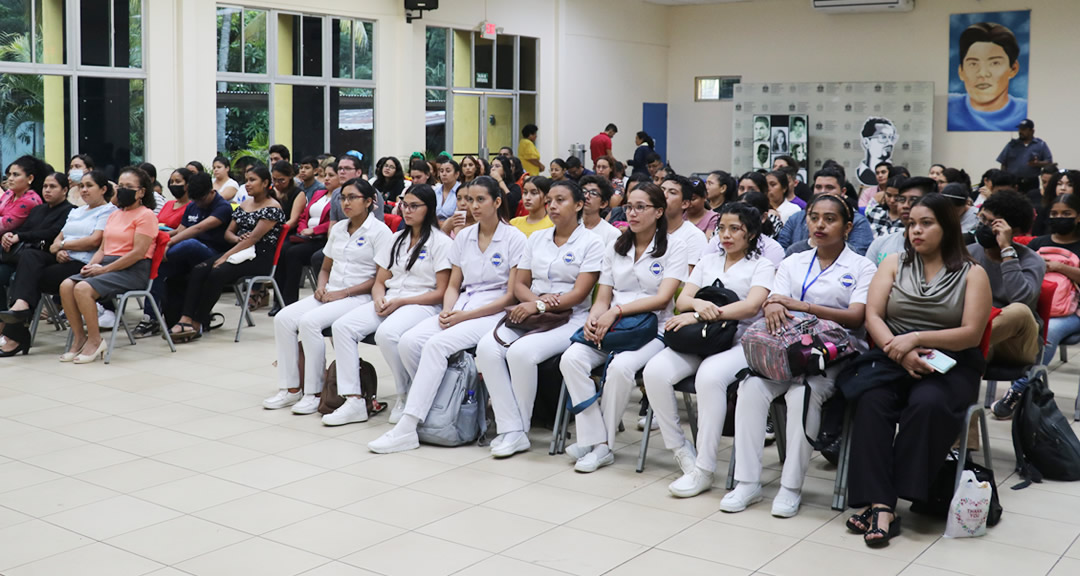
(629, 333)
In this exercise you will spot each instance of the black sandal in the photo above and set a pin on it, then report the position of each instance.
(883, 536)
(863, 518)
(187, 333)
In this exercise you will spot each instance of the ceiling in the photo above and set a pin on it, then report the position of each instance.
(685, 2)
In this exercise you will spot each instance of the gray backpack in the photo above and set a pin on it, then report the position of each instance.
(457, 414)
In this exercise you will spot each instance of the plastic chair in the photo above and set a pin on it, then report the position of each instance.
(243, 286)
(160, 244)
(392, 221)
(996, 372)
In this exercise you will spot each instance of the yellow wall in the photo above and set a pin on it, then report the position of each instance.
(283, 94)
(466, 124)
(52, 22)
(462, 59)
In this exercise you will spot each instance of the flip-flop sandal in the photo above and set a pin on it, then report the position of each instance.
(185, 335)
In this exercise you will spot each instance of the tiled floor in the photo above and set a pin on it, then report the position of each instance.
(166, 464)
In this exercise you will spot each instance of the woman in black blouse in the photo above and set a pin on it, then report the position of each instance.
(37, 231)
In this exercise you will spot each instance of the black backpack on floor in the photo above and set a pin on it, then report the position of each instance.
(1043, 440)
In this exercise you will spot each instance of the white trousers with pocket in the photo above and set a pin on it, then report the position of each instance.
(308, 318)
(388, 339)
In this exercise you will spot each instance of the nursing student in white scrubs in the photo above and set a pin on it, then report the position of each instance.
(640, 274)
(598, 192)
(484, 258)
(741, 268)
(558, 271)
(830, 282)
(414, 270)
(345, 281)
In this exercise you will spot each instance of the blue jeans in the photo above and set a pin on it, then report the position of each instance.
(179, 259)
(1059, 329)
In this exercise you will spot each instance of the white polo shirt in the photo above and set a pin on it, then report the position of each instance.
(740, 277)
(555, 268)
(485, 274)
(845, 282)
(433, 258)
(354, 255)
(635, 280)
(608, 234)
(693, 239)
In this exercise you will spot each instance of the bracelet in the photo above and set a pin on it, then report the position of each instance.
(916, 338)
(620, 313)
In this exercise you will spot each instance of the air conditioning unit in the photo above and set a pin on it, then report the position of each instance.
(849, 6)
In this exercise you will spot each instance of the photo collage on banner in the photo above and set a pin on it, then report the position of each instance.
(858, 124)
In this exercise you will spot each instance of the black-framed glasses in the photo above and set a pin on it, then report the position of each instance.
(638, 207)
(411, 206)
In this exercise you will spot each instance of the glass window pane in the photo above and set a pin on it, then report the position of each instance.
(94, 16)
(504, 62)
(255, 41)
(463, 76)
(308, 117)
(484, 57)
(352, 123)
(111, 121)
(15, 31)
(342, 52)
(288, 39)
(727, 87)
(526, 109)
(127, 18)
(708, 89)
(49, 32)
(312, 46)
(436, 57)
(364, 38)
(243, 128)
(527, 65)
(435, 123)
(36, 110)
(228, 39)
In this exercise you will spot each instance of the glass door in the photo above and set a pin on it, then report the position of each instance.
(499, 129)
(467, 139)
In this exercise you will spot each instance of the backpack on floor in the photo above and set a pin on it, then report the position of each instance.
(457, 415)
(1045, 444)
(369, 386)
(1065, 293)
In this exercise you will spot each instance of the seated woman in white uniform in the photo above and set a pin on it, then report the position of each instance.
(558, 271)
(830, 282)
(742, 269)
(484, 258)
(345, 281)
(414, 271)
(641, 272)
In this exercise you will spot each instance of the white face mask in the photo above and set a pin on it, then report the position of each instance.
(75, 175)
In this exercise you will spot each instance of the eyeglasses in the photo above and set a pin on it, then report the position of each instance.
(350, 198)
(638, 208)
(904, 200)
(281, 180)
(733, 229)
(594, 193)
(411, 207)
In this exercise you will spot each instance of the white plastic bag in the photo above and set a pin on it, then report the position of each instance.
(242, 256)
(970, 508)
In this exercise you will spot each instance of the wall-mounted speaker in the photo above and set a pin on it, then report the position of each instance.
(421, 4)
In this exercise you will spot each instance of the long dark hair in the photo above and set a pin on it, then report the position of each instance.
(224, 162)
(1050, 192)
(758, 179)
(751, 220)
(759, 202)
(953, 251)
(730, 187)
(492, 188)
(102, 181)
(576, 192)
(658, 200)
(35, 168)
(145, 182)
(646, 139)
(391, 188)
(426, 194)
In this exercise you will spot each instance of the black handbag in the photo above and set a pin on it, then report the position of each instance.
(706, 338)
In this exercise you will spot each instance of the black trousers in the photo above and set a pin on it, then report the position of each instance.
(294, 256)
(39, 272)
(887, 464)
(206, 283)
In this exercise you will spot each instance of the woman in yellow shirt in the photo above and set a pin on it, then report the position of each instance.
(534, 198)
(527, 152)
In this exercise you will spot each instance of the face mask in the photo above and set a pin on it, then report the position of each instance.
(984, 235)
(125, 197)
(76, 175)
(1062, 225)
(176, 190)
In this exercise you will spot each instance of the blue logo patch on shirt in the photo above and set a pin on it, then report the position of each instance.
(847, 280)
(423, 254)
(568, 258)
(656, 268)
(496, 259)
(361, 241)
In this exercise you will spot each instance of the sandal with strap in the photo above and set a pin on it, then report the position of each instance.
(186, 333)
(883, 536)
(853, 523)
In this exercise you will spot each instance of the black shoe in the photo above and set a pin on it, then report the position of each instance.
(273, 311)
(1003, 409)
(145, 329)
(22, 347)
(770, 431)
(16, 316)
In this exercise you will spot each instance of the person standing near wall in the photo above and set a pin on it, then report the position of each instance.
(1024, 157)
(600, 145)
(527, 152)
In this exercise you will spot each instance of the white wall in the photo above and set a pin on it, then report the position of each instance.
(739, 39)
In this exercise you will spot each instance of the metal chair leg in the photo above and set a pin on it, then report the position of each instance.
(161, 323)
(645, 439)
(779, 416)
(112, 334)
(730, 484)
(37, 319)
(246, 314)
(560, 448)
(560, 414)
(691, 414)
(842, 464)
(991, 393)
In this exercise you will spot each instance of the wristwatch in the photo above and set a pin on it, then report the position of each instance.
(62, 243)
(540, 306)
(1009, 252)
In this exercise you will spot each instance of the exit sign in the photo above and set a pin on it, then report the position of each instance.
(488, 30)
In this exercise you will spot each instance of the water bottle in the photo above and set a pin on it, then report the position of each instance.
(470, 397)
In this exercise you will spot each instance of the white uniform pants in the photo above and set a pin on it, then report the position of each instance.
(388, 338)
(425, 350)
(714, 374)
(599, 422)
(755, 396)
(510, 374)
(309, 318)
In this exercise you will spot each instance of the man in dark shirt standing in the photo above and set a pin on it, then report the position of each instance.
(1025, 157)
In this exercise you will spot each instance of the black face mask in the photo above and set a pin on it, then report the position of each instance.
(1062, 226)
(984, 235)
(176, 190)
(125, 197)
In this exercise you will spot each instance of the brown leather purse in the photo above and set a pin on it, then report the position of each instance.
(533, 324)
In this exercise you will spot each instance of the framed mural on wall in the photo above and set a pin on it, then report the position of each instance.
(988, 70)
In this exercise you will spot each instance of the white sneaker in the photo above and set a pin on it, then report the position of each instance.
(353, 410)
(686, 457)
(497, 441)
(786, 503)
(394, 441)
(576, 451)
(641, 424)
(742, 496)
(106, 320)
(512, 443)
(282, 399)
(309, 404)
(692, 483)
(398, 410)
(600, 456)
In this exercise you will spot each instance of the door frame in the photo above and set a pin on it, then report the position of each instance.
(483, 151)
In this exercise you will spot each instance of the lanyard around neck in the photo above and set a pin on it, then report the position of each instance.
(805, 286)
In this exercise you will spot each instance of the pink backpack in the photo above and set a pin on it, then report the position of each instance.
(1065, 293)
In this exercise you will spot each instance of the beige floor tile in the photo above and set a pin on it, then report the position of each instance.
(338, 569)
(609, 483)
(9, 517)
(812, 559)
(486, 529)
(1034, 533)
(529, 466)
(727, 544)
(124, 402)
(919, 533)
(458, 456)
(468, 485)
(103, 429)
(405, 508)
(329, 453)
(194, 493)
(503, 566)
(656, 561)
(153, 442)
(397, 469)
(29, 541)
(107, 518)
(657, 495)
(633, 523)
(980, 557)
(333, 489)
(15, 475)
(260, 513)
(169, 414)
(36, 443)
(96, 559)
(398, 557)
(254, 556)
(217, 427)
(334, 534)
(918, 570)
(575, 551)
(207, 456)
(1066, 567)
(759, 517)
(135, 475)
(57, 416)
(81, 459)
(547, 503)
(24, 403)
(267, 472)
(9, 427)
(54, 496)
(179, 539)
(274, 439)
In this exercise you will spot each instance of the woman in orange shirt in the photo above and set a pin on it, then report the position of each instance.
(122, 263)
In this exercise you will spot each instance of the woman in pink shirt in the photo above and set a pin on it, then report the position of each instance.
(24, 179)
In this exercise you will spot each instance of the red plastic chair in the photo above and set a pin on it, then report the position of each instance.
(1023, 239)
(243, 286)
(393, 221)
(161, 243)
